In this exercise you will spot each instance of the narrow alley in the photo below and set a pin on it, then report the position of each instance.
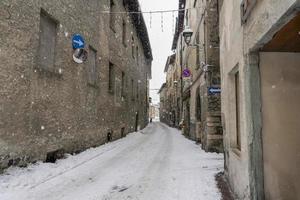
(157, 163)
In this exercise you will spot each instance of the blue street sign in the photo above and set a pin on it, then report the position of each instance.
(77, 42)
(186, 73)
(214, 90)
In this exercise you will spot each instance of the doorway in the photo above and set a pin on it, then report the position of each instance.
(122, 132)
(280, 91)
(137, 121)
(187, 118)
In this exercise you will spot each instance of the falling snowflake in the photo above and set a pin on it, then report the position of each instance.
(42, 127)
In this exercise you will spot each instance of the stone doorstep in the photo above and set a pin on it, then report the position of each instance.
(210, 124)
(214, 137)
(213, 114)
(213, 119)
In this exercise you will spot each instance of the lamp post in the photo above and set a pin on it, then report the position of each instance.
(181, 80)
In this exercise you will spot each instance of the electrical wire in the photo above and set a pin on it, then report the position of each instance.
(151, 12)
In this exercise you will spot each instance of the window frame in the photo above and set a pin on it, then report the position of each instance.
(132, 90)
(111, 78)
(41, 56)
(237, 93)
(124, 33)
(246, 9)
(112, 21)
(132, 47)
(123, 85)
(92, 70)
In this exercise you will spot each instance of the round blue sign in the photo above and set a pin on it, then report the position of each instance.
(186, 73)
(77, 41)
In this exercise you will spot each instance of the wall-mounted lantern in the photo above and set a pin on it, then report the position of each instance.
(187, 34)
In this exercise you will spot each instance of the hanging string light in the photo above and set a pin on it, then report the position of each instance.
(162, 22)
(139, 16)
(141, 12)
(150, 20)
(173, 22)
(161, 12)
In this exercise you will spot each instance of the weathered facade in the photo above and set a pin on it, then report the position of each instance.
(200, 110)
(154, 111)
(49, 103)
(202, 58)
(260, 94)
(171, 91)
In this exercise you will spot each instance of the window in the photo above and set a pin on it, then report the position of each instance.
(132, 46)
(137, 91)
(123, 85)
(112, 15)
(132, 90)
(237, 110)
(48, 34)
(198, 51)
(246, 8)
(187, 18)
(92, 73)
(124, 33)
(195, 3)
(137, 54)
(111, 76)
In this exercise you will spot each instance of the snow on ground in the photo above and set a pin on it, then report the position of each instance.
(157, 163)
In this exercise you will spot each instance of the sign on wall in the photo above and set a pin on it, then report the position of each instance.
(186, 73)
(80, 55)
(214, 90)
(78, 42)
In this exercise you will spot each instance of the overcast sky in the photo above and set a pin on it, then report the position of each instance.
(161, 42)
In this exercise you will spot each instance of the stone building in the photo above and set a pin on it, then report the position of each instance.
(154, 111)
(201, 106)
(162, 104)
(171, 105)
(50, 104)
(260, 72)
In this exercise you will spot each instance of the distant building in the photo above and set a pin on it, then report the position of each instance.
(154, 112)
(163, 116)
(51, 104)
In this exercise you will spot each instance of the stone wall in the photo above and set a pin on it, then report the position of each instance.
(203, 20)
(47, 110)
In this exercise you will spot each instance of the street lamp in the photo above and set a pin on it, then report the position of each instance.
(187, 34)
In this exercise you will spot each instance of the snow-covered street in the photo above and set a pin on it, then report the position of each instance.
(157, 163)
